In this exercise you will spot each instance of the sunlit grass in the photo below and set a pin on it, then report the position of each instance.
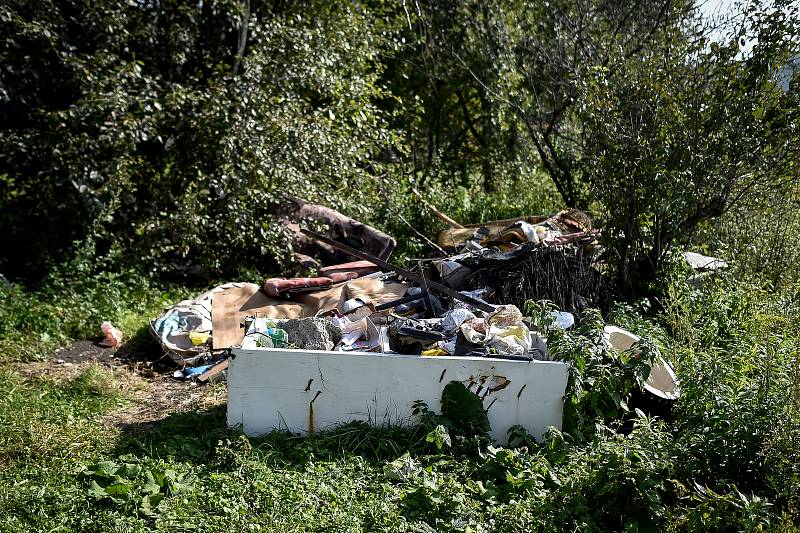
(728, 459)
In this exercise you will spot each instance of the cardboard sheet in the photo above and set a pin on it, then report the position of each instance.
(374, 290)
(230, 307)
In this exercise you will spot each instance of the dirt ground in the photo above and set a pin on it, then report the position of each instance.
(142, 376)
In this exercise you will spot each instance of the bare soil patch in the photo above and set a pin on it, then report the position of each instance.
(152, 393)
(85, 351)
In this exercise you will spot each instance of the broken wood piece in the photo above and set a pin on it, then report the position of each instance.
(441, 216)
(213, 371)
(413, 276)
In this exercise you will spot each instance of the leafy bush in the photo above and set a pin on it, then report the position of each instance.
(772, 252)
(738, 412)
(601, 378)
(462, 428)
(615, 481)
(165, 150)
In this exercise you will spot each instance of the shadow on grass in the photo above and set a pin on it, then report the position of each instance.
(141, 348)
(190, 435)
(203, 438)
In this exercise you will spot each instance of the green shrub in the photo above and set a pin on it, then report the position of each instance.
(736, 347)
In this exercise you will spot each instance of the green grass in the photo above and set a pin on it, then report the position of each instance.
(727, 462)
(72, 306)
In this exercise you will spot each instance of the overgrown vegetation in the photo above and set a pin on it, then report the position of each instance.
(728, 460)
(162, 135)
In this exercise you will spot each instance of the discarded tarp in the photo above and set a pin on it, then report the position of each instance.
(171, 329)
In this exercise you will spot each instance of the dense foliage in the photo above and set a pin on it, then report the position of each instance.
(163, 144)
(161, 134)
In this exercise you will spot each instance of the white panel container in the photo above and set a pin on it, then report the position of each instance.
(306, 391)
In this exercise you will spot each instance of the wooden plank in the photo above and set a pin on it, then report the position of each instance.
(214, 370)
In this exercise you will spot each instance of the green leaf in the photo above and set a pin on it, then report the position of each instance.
(96, 490)
(115, 489)
(440, 437)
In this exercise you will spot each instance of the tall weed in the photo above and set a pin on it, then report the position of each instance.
(736, 346)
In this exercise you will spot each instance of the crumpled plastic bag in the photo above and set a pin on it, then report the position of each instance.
(505, 316)
(476, 330)
(199, 337)
(453, 319)
(502, 330)
(513, 340)
(113, 336)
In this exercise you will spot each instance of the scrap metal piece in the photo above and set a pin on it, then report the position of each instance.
(429, 311)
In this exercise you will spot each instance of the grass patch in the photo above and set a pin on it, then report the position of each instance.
(48, 428)
(34, 323)
(727, 461)
(44, 419)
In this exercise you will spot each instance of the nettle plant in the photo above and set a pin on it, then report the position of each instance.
(601, 378)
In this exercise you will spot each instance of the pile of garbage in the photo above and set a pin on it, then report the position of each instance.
(532, 258)
(468, 301)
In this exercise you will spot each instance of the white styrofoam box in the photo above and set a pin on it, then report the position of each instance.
(306, 391)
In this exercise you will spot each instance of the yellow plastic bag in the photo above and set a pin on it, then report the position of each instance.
(198, 337)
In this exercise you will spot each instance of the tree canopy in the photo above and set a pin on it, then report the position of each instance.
(160, 133)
